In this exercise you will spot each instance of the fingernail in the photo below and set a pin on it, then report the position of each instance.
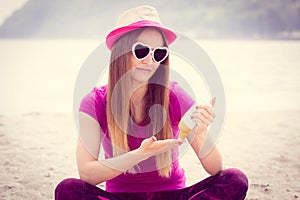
(153, 138)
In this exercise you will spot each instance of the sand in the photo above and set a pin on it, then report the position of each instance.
(38, 150)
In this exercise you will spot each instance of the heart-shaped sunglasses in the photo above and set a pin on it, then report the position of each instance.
(141, 51)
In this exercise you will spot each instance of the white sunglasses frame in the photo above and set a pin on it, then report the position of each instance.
(150, 52)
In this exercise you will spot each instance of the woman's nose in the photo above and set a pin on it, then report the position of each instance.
(148, 59)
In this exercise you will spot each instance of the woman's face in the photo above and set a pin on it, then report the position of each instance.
(142, 70)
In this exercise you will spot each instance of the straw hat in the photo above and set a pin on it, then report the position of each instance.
(142, 16)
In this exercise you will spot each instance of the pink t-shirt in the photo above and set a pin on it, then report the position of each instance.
(147, 178)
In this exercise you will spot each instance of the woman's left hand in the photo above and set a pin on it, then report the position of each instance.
(203, 116)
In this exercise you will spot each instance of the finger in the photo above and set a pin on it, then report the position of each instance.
(174, 143)
(210, 111)
(213, 101)
(167, 142)
(197, 115)
(204, 113)
(149, 141)
(201, 120)
(153, 138)
(178, 141)
(166, 145)
(207, 108)
(204, 121)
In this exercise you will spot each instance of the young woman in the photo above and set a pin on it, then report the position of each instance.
(136, 119)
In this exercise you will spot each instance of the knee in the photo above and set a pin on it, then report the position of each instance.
(67, 184)
(67, 188)
(237, 178)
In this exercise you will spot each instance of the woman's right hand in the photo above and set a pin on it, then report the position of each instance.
(151, 146)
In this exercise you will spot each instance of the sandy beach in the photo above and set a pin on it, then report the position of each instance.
(38, 150)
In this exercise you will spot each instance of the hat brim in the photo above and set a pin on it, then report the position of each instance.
(115, 34)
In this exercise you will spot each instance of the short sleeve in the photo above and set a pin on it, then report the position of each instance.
(93, 104)
(180, 102)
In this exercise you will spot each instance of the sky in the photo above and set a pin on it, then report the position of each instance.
(7, 7)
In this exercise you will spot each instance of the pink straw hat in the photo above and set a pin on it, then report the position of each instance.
(132, 19)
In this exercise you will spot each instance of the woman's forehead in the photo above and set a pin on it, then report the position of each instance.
(151, 37)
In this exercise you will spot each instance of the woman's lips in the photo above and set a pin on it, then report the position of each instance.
(144, 69)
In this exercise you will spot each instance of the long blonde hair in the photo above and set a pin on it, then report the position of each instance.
(156, 94)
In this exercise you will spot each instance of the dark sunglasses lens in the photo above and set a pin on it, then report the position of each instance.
(160, 54)
(141, 51)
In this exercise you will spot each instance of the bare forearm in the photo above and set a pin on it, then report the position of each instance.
(94, 172)
(210, 160)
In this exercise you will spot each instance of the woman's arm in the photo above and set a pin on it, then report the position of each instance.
(212, 162)
(93, 171)
(88, 145)
(90, 170)
(203, 116)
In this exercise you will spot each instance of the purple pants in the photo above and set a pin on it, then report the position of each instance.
(227, 184)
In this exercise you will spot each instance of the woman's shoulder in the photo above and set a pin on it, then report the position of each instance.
(100, 92)
(177, 91)
(179, 101)
(94, 102)
(97, 95)
(172, 85)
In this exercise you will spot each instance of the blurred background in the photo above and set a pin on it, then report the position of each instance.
(277, 19)
(254, 44)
